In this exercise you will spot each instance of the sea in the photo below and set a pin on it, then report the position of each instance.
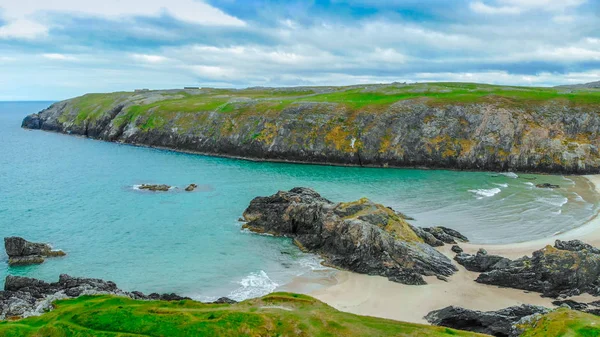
(82, 196)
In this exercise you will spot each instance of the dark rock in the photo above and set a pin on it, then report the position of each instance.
(427, 237)
(23, 252)
(456, 249)
(481, 262)
(567, 269)
(499, 323)
(224, 300)
(32, 122)
(360, 236)
(155, 188)
(446, 235)
(546, 185)
(23, 296)
(191, 187)
(571, 304)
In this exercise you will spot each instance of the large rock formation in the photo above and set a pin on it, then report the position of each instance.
(567, 269)
(383, 125)
(23, 252)
(23, 297)
(360, 236)
(501, 323)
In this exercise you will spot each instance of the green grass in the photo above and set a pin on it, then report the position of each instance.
(564, 323)
(156, 109)
(277, 314)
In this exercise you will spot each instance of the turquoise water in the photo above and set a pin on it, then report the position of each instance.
(78, 195)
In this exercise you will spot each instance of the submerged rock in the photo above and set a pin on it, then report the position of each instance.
(360, 236)
(567, 269)
(155, 188)
(22, 252)
(547, 185)
(23, 296)
(191, 187)
(499, 323)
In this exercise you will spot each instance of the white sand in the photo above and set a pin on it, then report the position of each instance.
(376, 296)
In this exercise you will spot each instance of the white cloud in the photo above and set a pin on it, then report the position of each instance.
(23, 22)
(520, 6)
(59, 57)
(149, 58)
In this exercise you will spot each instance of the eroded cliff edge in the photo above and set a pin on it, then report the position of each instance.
(459, 126)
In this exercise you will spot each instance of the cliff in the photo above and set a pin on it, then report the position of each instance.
(444, 125)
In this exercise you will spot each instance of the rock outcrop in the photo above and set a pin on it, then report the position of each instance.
(360, 236)
(155, 188)
(569, 268)
(23, 296)
(402, 129)
(22, 252)
(191, 187)
(501, 323)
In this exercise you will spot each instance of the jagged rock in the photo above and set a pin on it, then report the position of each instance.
(360, 236)
(456, 249)
(22, 252)
(499, 323)
(191, 187)
(571, 304)
(567, 269)
(427, 237)
(23, 296)
(481, 262)
(547, 185)
(224, 300)
(446, 235)
(32, 122)
(155, 188)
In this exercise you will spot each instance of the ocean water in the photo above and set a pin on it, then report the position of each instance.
(79, 194)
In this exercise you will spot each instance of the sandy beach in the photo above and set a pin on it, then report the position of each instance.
(376, 296)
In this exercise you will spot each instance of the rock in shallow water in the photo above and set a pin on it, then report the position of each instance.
(499, 323)
(360, 236)
(155, 188)
(22, 252)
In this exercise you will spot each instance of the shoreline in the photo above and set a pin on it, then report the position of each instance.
(377, 296)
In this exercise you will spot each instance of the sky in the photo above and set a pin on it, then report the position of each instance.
(56, 49)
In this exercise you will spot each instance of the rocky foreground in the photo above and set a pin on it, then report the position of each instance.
(359, 236)
(24, 297)
(450, 125)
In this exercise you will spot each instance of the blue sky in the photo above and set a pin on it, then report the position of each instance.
(56, 49)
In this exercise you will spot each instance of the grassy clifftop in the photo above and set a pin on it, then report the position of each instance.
(278, 314)
(452, 125)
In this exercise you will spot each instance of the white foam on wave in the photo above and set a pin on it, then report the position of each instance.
(253, 285)
(501, 185)
(483, 193)
(569, 180)
(312, 262)
(136, 187)
(554, 201)
(529, 183)
(510, 175)
(578, 197)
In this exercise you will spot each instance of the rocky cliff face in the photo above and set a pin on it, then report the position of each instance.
(407, 126)
(360, 236)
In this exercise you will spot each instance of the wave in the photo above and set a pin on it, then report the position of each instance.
(313, 263)
(529, 184)
(501, 185)
(556, 201)
(578, 197)
(510, 175)
(483, 193)
(253, 285)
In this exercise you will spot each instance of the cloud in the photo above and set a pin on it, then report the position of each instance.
(59, 57)
(521, 6)
(149, 58)
(23, 16)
